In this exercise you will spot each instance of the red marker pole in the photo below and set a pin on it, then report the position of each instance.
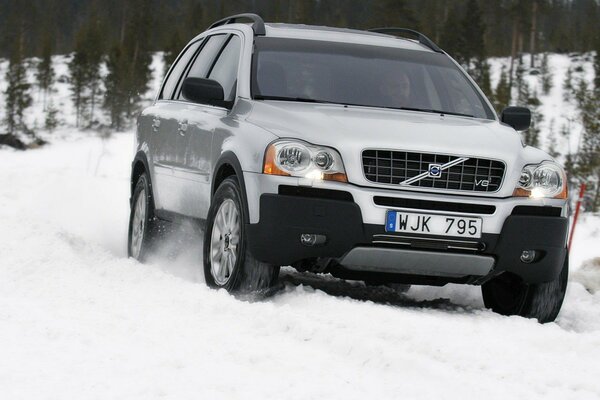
(577, 207)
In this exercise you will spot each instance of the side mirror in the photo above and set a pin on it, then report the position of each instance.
(204, 91)
(517, 117)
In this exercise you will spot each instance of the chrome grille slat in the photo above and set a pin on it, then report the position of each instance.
(395, 167)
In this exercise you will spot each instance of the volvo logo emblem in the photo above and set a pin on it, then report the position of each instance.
(434, 171)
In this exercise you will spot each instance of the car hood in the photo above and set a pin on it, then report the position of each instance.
(352, 129)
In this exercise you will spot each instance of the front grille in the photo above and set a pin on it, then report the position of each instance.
(394, 167)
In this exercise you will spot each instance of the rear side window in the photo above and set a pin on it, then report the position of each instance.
(225, 69)
(177, 70)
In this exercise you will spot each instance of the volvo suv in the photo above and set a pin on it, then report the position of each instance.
(367, 155)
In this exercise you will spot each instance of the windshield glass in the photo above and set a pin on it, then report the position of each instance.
(352, 74)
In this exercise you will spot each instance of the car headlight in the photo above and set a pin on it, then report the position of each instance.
(299, 159)
(545, 180)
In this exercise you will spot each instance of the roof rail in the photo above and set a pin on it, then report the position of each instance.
(258, 26)
(424, 40)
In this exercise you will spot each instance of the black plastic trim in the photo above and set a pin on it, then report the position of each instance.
(231, 159)
(275, 238)
(537, 211)
(283, 219)
(424, 40)
(434, 205)
(301, 191)
(140, 157)
(258, 25)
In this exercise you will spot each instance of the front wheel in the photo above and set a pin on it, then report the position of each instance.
(228, 263)
(508, 295)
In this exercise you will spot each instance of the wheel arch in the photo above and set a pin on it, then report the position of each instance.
(138, 167)
(229, 165)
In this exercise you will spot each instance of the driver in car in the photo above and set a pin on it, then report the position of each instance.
(396, 89)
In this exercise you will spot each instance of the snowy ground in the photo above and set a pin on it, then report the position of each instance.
(80, 320)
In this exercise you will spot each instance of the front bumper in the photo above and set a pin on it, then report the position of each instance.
(359, 244)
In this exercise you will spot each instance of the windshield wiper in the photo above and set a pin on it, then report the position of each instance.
(307, 100)
(430, 110)
(299, 99)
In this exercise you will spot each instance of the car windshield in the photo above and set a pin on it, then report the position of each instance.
(363, 75)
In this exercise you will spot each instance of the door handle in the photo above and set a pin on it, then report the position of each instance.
(155, 124)
(183, 126)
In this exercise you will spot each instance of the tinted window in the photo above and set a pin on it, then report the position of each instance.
(204, 59)
(203, 62)
(226, 68)
(177, 70)
(364, 75)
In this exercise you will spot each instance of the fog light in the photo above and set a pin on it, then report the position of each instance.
(527, 256)
(312, 239)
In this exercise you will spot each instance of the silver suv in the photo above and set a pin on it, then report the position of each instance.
(362, 154)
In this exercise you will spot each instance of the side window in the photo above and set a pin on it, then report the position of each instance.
(177, 70)
(204, 59)
(225, 69)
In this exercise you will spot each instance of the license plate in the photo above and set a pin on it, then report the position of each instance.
(430, 224)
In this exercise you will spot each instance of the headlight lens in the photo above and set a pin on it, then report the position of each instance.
(293, 158)
(546, 180)
(299, 159)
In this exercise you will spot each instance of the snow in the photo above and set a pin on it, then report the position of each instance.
(78, 319)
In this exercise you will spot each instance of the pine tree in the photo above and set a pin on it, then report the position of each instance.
(568, 85)
(78, 77)
(17, 95)
(452, 40)
(571, 161)
(95, 42)
(521, 86)
(129, 66)
(473, 32)
(85, 71)
(481, 75)
(51, 120)
(532, 135)
(526, 98)
(474, 53)
(552, 142)
(545, 75)
(589, 157)
(391, 13)
(502, 95)
(116, 99)
(172, 49)
(597, 64)
(45, 70)
(191, 17)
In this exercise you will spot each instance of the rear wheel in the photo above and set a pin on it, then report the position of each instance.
(142, 222)
(228, 263)
(508, 295)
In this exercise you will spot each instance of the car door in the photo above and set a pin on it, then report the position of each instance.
(172, 134)
(200, 122)
(162, 146)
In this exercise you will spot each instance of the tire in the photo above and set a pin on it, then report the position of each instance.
(143, 226)
(508, 295)
(228, 263)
